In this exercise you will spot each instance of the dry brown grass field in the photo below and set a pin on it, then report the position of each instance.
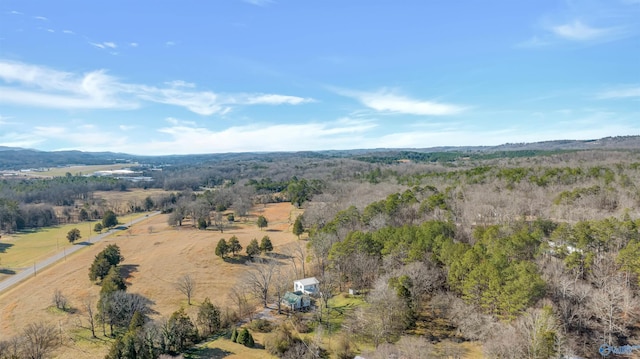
(155, 256)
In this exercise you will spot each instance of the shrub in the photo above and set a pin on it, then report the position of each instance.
(261, 326)
(234, 335)
(245, 338)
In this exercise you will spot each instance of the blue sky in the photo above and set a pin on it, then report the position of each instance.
(178, 77)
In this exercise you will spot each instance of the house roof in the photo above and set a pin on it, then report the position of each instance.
(308, 281)
(292, 297)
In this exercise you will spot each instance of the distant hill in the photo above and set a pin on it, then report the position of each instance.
(20, 158)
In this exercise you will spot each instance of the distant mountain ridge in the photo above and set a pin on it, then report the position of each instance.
(21, 158)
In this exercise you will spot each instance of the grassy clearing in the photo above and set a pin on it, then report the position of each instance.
(225, 348)
(154, 260)
(21, 250)
(134, 194)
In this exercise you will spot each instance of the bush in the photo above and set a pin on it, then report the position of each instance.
(261, 326)
(245, 338)
(234, 335)
(299, 323)
(278, 342)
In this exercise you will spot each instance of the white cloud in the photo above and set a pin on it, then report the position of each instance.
(68, 32)
(203, 103)
(38, 86)
(170, 43)
(387, 101)
(42, 18)
(15, 139)
(43, 87)
(104, 45)
(178, 122)
(13, 12)
(133, 44)
(270, 99)
(577, 31)
(51, 30)
(631, 91)
(127, 128)
(180, 83)
(260, 137)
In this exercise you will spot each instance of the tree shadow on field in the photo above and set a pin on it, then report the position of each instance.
(238, 259)
(273, 230)
(278, 255)
(5, 246)
(84, 243)
(214, 353)
(34, 230)
(127, 269)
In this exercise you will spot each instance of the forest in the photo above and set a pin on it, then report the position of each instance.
(533, 253)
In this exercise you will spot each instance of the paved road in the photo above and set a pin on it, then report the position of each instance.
(29, 272)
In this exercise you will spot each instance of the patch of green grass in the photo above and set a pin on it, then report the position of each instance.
(23, 249)
(222, 347)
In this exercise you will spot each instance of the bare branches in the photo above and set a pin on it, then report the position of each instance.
(187, 286)
(259, 278)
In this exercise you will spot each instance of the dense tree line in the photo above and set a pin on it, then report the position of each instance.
(510, 273)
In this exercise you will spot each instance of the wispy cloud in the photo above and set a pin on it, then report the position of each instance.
(127, 128)
(621, 92)
(104, 45)
(170, 43)
(14, 12)
(39, 86)
(577, 31)
(68, 32)
(42, 18)
(259, 2)
(261, 137)
(43, 87)
(388, 101)
(133, 44)
(180, 83)
(270, 99)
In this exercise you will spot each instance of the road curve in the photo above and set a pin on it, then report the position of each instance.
(29, 272)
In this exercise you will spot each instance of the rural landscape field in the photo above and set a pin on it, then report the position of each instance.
(328, 179)
(482, 254)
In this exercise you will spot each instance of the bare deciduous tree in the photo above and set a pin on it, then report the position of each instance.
(88, 307)
(40, 340)
(187, 286)
(259, 278)
(238, 296)
(59, 300)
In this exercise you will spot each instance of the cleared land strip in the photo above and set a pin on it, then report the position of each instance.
(33, 270)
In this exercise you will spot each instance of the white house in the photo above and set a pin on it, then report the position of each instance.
(307, 286)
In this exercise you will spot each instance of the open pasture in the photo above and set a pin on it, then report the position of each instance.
(156, 255)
